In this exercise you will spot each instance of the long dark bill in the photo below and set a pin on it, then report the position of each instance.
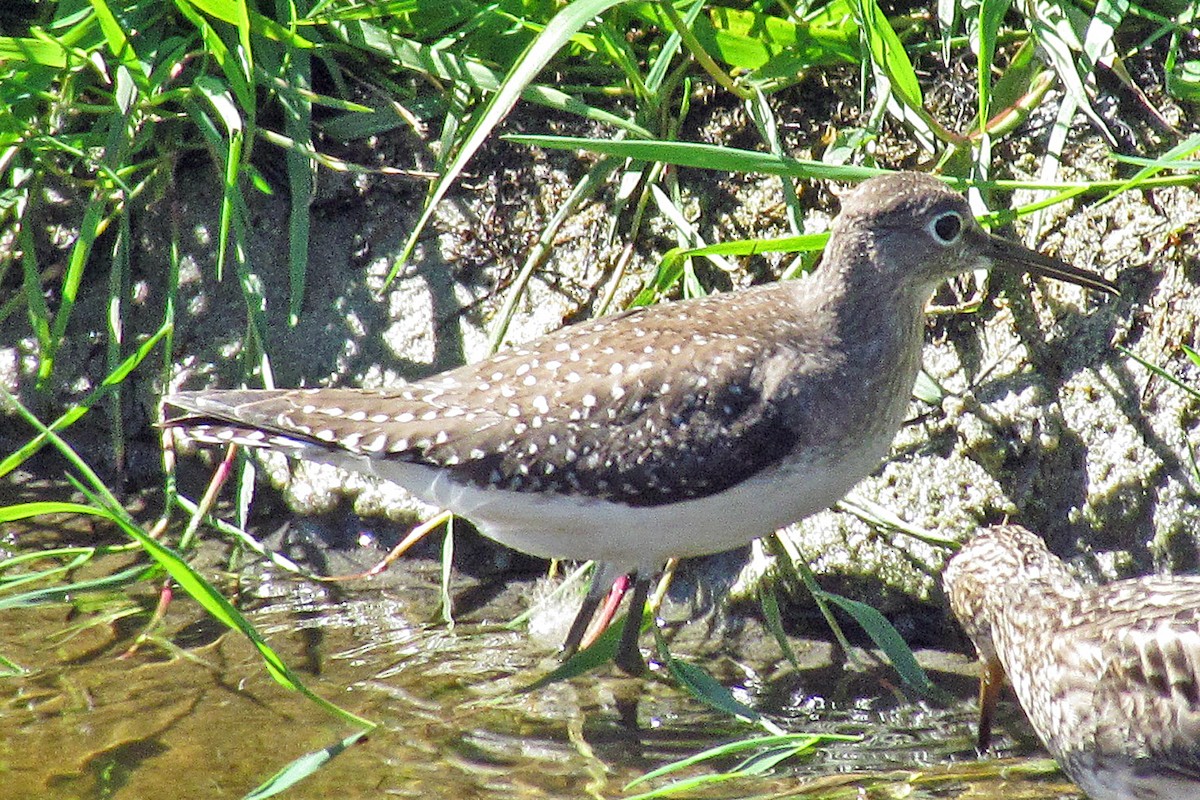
(1012, 256)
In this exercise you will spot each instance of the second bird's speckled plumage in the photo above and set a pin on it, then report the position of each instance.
(1109, 675)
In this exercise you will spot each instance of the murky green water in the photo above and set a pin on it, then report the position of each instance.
(193, 713)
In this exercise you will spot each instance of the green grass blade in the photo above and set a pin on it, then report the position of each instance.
(245, 540)
(887, 51)
(229, 146)
(89, 229)
(1177, 153)
(947, 16)
(303, 767)
(40, 318)
(704, 156)
(10, 669)
(1018, 91)
(1054, 23)
(446, 597)
(119, 287)
(774, 620)
(45, 52)
(706, 689)
(302, 183)
(1183, 75)
(216, 49)
(119, 45)
(554, 36)
(71, 415)
(771, 750)
(670, 268)
(889, 640)
(882, 517)
(104, 504)
(602, 651)
(991, 15)
(765, 120)
(64, 594)
(796, 570)
(732, 749)
(1174, 380)
(21, 511)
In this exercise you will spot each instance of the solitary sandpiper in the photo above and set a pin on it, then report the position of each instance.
(676, 430)
(1108, 675)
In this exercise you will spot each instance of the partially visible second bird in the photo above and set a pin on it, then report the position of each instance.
(1109, 675)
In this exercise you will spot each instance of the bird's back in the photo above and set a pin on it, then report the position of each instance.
(1112, 685)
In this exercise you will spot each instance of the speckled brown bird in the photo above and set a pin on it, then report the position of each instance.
(676, 430)
(1108, 675)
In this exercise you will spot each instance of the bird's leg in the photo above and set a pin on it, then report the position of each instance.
(991, 677)
(604, 577)
(603, 618)
(628, 657)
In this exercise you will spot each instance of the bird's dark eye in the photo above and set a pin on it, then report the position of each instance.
(946, 227)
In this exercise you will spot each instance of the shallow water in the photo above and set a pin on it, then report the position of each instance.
(193, 713)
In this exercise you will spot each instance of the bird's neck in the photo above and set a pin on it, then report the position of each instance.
(881, 320)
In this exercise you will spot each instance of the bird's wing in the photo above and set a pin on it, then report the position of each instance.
(688, 413)
(1152, 668)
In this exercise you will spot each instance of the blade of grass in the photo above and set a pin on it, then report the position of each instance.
(105, 505)
(303, 767)
(65, 594)
(1178, 152)
(302, 183)
(770, 608)
(991, 16)
(602, 651)
(888, 639)
(228, 147)
(119, 281)
(1182, 77)
(671, 266)
(1054, 25)
(704, 156)
(707, 690)
(90, 228)
(44, 52)
(798, 741)
(215, 48)
(883, 517)
(555, 35)
(684, 29)
(40, 318)
(446, 596)
(1162, 373)
(69, 417)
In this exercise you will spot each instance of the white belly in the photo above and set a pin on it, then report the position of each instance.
(575, 527)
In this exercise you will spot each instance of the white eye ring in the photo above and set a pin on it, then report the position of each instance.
(946, 228)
